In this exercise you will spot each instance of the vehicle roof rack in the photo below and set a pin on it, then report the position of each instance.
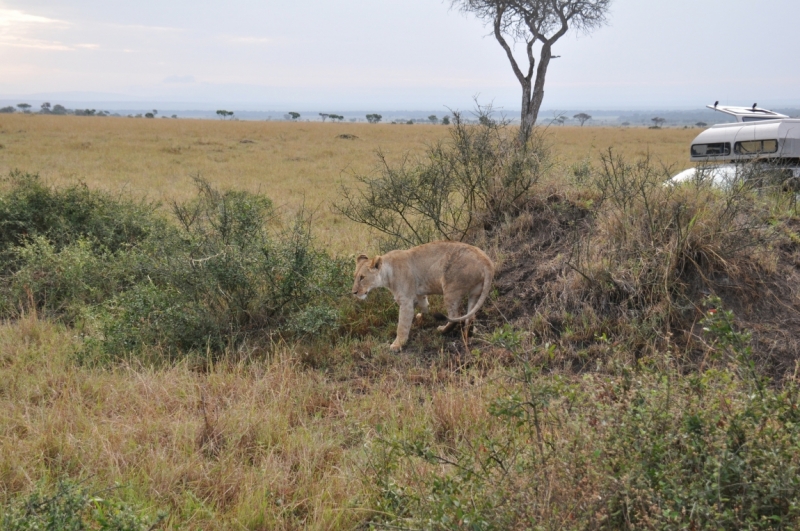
(747, 114)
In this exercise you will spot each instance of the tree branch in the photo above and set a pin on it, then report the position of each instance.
(498, 33)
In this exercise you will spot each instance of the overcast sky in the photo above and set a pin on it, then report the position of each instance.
(346, 55)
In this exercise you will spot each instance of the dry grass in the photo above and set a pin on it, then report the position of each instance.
(293, 163)
(255, 446)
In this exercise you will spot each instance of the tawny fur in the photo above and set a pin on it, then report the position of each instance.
(452, 269)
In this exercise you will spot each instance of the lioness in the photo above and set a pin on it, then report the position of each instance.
(455, 270)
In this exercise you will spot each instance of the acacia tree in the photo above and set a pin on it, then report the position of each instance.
(534, 22)
(658, 121)
(582, 117)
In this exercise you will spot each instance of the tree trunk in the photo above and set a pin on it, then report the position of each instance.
(532, 97)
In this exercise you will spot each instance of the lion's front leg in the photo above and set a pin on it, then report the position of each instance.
(403, 325)
(422, 304)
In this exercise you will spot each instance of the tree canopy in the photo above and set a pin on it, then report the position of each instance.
(534, 22)
(582, 117)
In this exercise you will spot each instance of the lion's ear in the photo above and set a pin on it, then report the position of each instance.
(376, 264)
(362, 258)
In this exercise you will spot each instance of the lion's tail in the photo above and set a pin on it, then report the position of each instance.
(488, 276)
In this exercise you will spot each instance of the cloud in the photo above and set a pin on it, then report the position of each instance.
(36, 44)
(17, 26)
(13, 17)
(179, 79)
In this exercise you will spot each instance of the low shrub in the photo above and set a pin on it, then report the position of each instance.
(474, 180)
(228, 269)
(29, 208)
(70, 506)
(641, 448)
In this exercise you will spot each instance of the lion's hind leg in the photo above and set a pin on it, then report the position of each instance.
(474, 295)
(452, 301)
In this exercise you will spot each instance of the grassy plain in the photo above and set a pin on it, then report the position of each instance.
(292, 163)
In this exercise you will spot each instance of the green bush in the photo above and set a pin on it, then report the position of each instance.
(29, 209)
(72, 507)
(229, 272)
(64, 282)
(228, 269)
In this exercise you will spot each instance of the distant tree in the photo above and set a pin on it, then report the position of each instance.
(433, 119)
(8, 110)
(374, 118)
(446, 120)
(531, 22)
(582, 117)
(485, 121)
(24, 106)
(324, 116)
(701, 124)
(155, 112)
(45, 109)
(149, 115)
(336, 117)
(625, 124)
(222, 113)
(658, 122)
(560, 119)
(174, 115)
(294, 115)
(59, 109)
(354, 120)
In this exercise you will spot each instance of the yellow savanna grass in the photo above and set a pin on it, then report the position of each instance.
(293, 163)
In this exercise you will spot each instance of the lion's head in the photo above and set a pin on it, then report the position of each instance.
(367, 276)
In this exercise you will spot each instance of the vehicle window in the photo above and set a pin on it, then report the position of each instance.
(756, 147)
(711, 150)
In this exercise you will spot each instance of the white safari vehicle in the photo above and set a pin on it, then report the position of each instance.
(758, 141)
